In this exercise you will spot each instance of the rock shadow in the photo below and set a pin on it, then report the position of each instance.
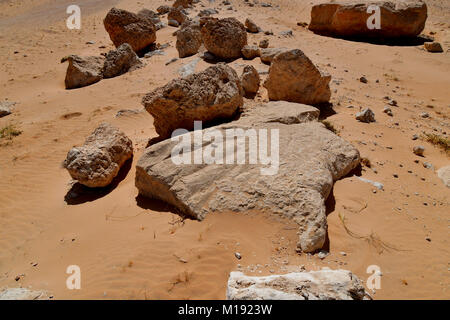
(402, 42)
(326, 110)
(80, 194)
(159, 206)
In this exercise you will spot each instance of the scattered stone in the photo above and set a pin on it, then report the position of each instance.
(189, 39)
(366, 115)
(314, 285)
(287, 33)
(207, 12)
(419, 150)
(127, 112)
(388, 111)
(268, 54)
(250, 80)
(427, 165)
(126, 27)
(251, 26)
(312, 156)
(342, 253)
(250, 52)
(424, 115)
(433, 47)
(302, 24)
(120, 61)
(238, 255)
(215, 93)
(98, 161)
(400, 19)
(284, 83)
(363, 79)
(392, 102)
(83, 71)
(444, 174)
(264, 43)
(268, 33)
(177, 14)
(173, 23)
(224, 38)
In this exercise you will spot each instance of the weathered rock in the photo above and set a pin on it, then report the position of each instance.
(251, 26)
(83, 71)
(173, 23)
(250, 52)
(23, 294)
(398, 19)
(366, 115)
(433, 47)
(250, 80)
(189, 40)
(98, 161)
(182, 3)
(311, 158)
(268, 54)
(314, 285)
(178, 15)
(150, 15)
(264, 43)
(5, 108)
(163, 9)
(224, 38)
(293, 77)
(207, 12)
(419, 150)
(120, 61)
(444, 174)
(127, 27)
(215, 93)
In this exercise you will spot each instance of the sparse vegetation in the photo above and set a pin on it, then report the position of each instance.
(330, 126)
(9, 132)
(437, 140)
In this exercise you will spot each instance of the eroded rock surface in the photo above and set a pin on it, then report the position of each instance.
(98, 161)
(189, 39)
(23, 294)
(83, 71)
(120, 61)
(250, 80)
(444, 174)
(313, 285)
(295, 184)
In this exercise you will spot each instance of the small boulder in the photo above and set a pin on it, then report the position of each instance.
(251, 26)
(433, 47)
(173, 23)
(224, 38)
(366, 115)
(215, 93)
(98, 161)
(268, 54)
(127, 27)
(189, 40)
(444, 174)
(83, 71)
(250, 52)
(120, 61)
(250, 80)
(178, 15)
(5, 108)
(284, 82)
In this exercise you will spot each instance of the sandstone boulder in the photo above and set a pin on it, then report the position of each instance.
(293, 77)
(98, 161)
(224, 38)
(127, 27)
(314, 285)
(403, 18)
(267, 54)
(250, 52)
(305, 161)
(83, 71)
(178, 15)
(250, 80)
(120, 61)
(215, 93)
(444, 174)
(189, 39)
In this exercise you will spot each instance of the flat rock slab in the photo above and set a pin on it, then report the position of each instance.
(296, 185)
(313, 285)
(400, 18)
(23, 294)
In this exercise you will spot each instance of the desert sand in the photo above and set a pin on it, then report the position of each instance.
(131, 248)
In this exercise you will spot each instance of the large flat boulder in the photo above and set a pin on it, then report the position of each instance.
(212, 94)
(98, 161)
(293, 77)
(399, 18)
(127, 27)
(292, 179)
(83, 71)
(314, 285)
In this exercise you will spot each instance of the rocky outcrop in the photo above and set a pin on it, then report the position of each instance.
(98, 161)
(83, 71)
(189, 39)
(127, 27)
(345, 19)
(314, 285)
(293, 77)
(250, 80)
(224, 38)
(120, 61)
(215, 93)
(444, 174)
(304, 162)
